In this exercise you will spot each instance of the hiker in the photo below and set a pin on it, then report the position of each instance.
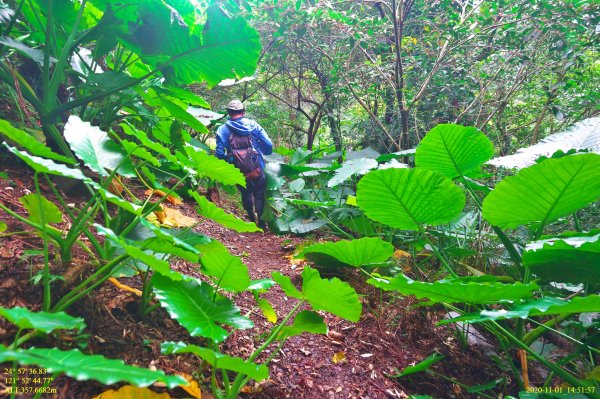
(243, 142)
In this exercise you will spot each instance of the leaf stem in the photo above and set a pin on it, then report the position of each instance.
(240, 378)
(562, 373)
(80, 290)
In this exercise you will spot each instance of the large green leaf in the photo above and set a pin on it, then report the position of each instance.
(83, 367)
(96, 149)
(350, 168)
(196, 307)
(286, 285)
(456, 291)
(297, 185)
(114, 199)
(299, 221)
(541, 307)
(208, 166)
(454, 150)
(42, 321)
(361, 252)
(409, 198)
(148, 143)
(227, 48)
(41, 210)
(30, 143)
(35, 54)
(173, 241)
(570, 260)
(333, 296)
(187, 96)
(43, 165)
(161, 243)
(138, 253)
(218, 360)
(423, 365)
(211, 211)
(229, 271)
(544, 192)
(182, 115)
(305, 321)
(137, 150)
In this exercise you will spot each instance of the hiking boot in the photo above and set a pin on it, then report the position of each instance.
(263, 225)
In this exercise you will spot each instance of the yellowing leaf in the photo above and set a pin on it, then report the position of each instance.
(169, 217)
(399, 254)
(267, 310)
(351, 200)
(172, 199)
(594, 374)
(131, 392)
(115, 186)
(192, 386)
(124, 287)
(338, 357)
(295, 262)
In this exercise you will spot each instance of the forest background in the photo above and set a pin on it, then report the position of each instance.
(382, 74)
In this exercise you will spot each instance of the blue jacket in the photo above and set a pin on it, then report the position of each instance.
(244, 127)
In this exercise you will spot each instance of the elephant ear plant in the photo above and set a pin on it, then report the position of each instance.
(94, 61)
(72, 363)
(519, 309)
(55, 36)
(202, 310)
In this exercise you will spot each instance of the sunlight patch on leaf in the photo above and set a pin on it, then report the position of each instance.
(547, 306)
(350, 168)
(584, 135)
(456, 291)
(96, 149)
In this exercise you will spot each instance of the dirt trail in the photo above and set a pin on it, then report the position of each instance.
(387, 337)
(305, 367)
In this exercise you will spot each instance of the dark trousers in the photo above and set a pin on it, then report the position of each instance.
(253, 197)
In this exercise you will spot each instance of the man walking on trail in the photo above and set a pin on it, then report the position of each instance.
(243, 142)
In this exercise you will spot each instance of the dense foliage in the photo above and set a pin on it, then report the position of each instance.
(387, 114)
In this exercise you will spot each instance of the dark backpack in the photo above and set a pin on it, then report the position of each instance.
(245, 156)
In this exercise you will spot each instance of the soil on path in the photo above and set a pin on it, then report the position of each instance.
(390, 335)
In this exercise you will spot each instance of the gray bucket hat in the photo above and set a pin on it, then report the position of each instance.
(235, 105)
